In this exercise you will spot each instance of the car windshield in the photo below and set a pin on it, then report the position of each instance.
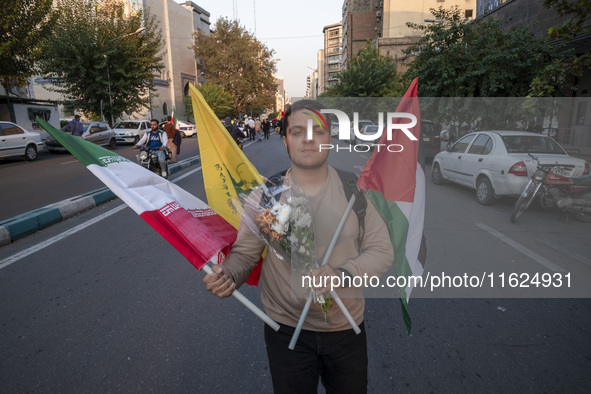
(127, 125)
(364, 123)
(531, 144)
(371, 130)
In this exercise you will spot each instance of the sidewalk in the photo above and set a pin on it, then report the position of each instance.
(27, 223)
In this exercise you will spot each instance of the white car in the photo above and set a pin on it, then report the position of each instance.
(97, 132)
(186, 129)
(131, 130)
(16, 141)
(496, 163)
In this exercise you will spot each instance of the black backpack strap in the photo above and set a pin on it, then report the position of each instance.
(349, 181)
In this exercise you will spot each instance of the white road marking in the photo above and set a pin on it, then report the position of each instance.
(70, 162)
(569, 253)
(529, 253)
(22, 254)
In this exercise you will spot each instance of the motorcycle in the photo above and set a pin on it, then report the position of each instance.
(148, 158)
(556, 191)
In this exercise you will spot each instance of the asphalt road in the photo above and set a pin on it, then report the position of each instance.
(54, 177)
(114, 308)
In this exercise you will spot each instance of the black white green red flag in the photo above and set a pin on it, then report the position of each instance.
(395, 184)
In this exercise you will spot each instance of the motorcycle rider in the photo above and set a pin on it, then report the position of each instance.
(157, 140)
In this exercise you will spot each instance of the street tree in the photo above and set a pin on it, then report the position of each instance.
(102, 59)
(368, 74)
(563, 71)
(235, 60)
(24, 26)
(458, 58)
(220, 101)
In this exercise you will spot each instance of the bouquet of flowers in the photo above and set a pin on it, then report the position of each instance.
(287, 228)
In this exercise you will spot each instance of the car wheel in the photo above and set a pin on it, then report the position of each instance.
(183, 134)
(31, 153)
(112, 144)
(484, 191)
(436, 176)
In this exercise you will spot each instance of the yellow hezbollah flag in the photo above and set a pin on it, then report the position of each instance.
(226, 170)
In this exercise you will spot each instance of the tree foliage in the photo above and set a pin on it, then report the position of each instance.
(98, 53)
(24, 26)
(236, 61)
(562, 72)
(458, 58)
(217, 98)
(368, 74)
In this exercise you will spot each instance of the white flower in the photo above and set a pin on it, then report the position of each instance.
(281, 212)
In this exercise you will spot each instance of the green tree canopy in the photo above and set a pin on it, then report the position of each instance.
(368, 74)
(243, 66)
(458, 58)
(24, 26)
(220, 101)
(563, 71)
(97, 53)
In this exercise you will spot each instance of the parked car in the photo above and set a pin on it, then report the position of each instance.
(16, 141)
(361, 124)
(131, 130)
(334, 129)
(186, 129)
(431, 138)
(496, 163)
(98, 132)
(370, 129)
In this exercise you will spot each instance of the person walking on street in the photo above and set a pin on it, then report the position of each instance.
(266, 128)
(75, 127)
(171, 134)
(327, 347)
(258, 130)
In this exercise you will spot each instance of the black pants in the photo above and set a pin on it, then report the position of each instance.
(339, 358)
(266, 133)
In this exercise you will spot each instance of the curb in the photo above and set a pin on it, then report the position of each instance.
(25, 224)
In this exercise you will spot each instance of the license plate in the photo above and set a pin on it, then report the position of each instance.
(426, 139)
(561, 171)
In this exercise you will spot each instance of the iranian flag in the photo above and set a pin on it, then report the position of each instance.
(192, 227)
(186, 222)
(395, 184)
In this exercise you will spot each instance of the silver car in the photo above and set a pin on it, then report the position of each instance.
(98, 132)
(16, 141)
(131, 131)
(496, 163)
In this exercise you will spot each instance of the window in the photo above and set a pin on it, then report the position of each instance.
(165, 109)
(462, 143)
(333, 67)
(468, 14)
(333, 41)
(581, 112)
(482, 145)
(333, 50)
(11, 129)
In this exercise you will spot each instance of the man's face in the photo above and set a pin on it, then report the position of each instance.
(154, 125)
(305, 153)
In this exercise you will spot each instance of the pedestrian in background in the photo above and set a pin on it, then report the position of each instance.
(75, 127)
(171, 134)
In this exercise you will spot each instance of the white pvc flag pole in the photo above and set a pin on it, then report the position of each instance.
(247, 303)
(333, 294)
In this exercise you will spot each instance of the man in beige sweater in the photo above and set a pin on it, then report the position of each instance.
(327, 347)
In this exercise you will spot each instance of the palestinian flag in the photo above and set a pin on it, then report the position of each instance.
(395, 184)
(192, 227)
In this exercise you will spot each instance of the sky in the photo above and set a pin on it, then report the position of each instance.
(292, 28)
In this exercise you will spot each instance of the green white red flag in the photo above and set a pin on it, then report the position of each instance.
(174, 119)
(395, 184)
(191, 226)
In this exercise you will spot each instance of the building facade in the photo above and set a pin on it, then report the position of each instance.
(331, 61)
(178, 22)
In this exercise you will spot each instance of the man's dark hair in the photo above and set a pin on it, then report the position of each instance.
(169, 118)
(154, 120)
(299, 105)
